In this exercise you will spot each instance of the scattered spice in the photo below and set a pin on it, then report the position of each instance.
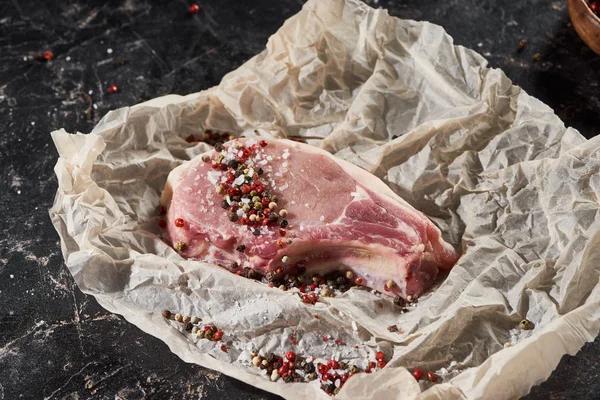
(162, 223)
(418, 374)
(112, 89)
(48, 55)
(179, 222)
(526, 325)
(166, 314)
(537, 57)
(522, 45)
(180, 246)
(432, 376)
(594, 7)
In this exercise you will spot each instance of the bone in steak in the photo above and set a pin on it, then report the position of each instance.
(339, 217)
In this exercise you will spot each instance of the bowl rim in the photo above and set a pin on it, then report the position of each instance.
(589, 10)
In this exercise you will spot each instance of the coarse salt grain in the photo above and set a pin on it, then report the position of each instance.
(322, 218)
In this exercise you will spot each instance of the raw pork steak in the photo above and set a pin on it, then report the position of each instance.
(274, 205)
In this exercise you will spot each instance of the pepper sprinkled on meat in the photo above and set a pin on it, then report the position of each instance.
(243, 185)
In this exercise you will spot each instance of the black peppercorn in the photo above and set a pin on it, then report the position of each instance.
(283, 223)
(219, 147)
(188, 326)
(252, 274)
(288, 379)
(301, 268)
(256, 232)
(273, 217)
(340, 280)
(166, 314)
(234, 265)
(309, 367)
(271, 358)
(233, 217)
(399, 301)
(233, 164)
(260, 171)
(241, 248)
(225, 204)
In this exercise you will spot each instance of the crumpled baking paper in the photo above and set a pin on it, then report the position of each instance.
(495, 169)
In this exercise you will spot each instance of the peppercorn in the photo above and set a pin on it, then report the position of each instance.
(195, 330)
(332, 364)
(283, 223)
(290, 356)
(195, 320)
(325, 292)
(179, 222)
(343, 365)
(208, 334)
(353, 368)
(218, 335)
(272, 205)
(219, 147)
(274, 375)
(273, 217)
(186, 319)
(526, 325)
(340, 280)
(188, 326)
(194, 8)
(252, 274)
(285, 259)
(234, 265)
(392, 328)
(432, 376)
(282, 287)
(379, 356)
(312, 376)
(349, 275)
(178, 317)
(288, 379)
(282, 213)
(309, 367)
(253, 193)
(390, 284)
(256, 232)
(256, 360)
(233, 164)
(399, 301)
(225, 204)
(233, 217)
(336, 390)
(271, 358)
(316, 278)
(166, 314)
(241, 248)
(258, 206)
(270, 276)
(112, 89)
(418, 374)
(200, 334)
(260, 171)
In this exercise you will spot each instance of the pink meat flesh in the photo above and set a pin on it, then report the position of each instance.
(340, 218)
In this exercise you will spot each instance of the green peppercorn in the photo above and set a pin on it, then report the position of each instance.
(257, 206)
(283, 223)
(254, 193)
(312, 376)
(255, 199)
(208, 334)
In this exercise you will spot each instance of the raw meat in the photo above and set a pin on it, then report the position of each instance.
(339, 217)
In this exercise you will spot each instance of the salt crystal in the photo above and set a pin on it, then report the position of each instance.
(269, 158)
(95, 106)
(250, 171)
(285, 156)
(322, 218)
(239, 180)
(354, 326)
(263, 162)
(354, 194)
(68, 58)
(90, 92)
(246, 201)
(283, 187)
(109, 50)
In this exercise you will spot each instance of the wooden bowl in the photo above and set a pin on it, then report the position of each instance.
(586, 23)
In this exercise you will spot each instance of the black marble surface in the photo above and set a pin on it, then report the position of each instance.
(56, 342)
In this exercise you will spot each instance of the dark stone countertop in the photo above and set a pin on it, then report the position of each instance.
(56, 342)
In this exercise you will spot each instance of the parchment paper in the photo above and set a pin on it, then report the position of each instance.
(498, 172)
